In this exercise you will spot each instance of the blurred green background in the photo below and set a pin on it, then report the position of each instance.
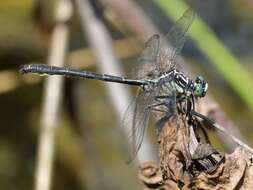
(90, 153)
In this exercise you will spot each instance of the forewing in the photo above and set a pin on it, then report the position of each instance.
(136, 120)
(176, 39)
(147, 59)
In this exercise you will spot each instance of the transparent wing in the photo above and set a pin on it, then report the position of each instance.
(176, 39)
(136, 120)
(150, 51)
(147, 59)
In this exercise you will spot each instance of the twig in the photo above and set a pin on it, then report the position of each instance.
(222, 130)
(235, 139)
(211, 109)
(52, 97)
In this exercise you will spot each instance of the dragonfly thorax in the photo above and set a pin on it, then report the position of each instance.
(178, 83)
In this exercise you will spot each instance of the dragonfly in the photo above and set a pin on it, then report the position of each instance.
(162, 87)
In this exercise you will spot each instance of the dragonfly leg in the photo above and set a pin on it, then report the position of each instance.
(161, 101)
(159, 110)
(156, 104)
(162, 97)
(153, 107)
(199, 115)
(203, 130)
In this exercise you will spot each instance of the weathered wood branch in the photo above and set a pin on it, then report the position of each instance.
(206, 168)
(52, 98)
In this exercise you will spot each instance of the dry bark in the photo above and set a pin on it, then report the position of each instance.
(206, 168)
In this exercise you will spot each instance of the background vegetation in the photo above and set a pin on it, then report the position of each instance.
(89, 151)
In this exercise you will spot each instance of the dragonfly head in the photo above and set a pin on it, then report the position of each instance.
(200, 87)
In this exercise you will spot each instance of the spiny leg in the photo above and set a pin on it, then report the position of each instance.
(208, 120)
(161, 101)
(203, 130)
(153, 107)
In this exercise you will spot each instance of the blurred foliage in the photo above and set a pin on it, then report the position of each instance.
(91, 154)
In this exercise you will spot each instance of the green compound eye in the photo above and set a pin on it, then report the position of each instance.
(200, 87)
(198, 90)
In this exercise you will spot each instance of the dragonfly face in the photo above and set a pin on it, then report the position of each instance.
(200, 87)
